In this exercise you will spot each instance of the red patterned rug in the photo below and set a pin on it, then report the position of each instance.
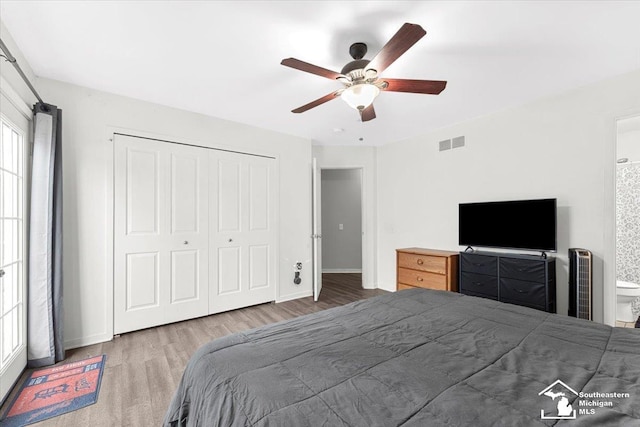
(54, 391)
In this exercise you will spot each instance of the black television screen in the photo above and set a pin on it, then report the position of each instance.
(515, 224)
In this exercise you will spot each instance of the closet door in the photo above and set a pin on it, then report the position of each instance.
(242, 230)
(161, 233)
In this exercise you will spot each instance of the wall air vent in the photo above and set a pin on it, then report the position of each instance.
(457, 142)
(445, 145)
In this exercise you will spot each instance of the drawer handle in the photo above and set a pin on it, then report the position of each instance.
(478, 283)
(478, 264)
(519, 291)
(419, 279)
(420, 262)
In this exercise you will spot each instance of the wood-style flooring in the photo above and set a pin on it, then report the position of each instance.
(143, 368)
(625, 324)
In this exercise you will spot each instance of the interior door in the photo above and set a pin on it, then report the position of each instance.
(161, 233)
(316, 235)
(13, 321)
(243, 230)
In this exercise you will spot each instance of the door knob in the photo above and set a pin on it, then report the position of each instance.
(231, 240)
(186, 242)
(1, 273)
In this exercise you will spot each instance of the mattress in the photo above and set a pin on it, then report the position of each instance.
(415, 358)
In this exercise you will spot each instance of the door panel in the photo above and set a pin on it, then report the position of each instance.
(258, 197)
(142, 186)
(229, 270)
(143, 281)
(184, 275)
(184, 192)
(161, 245)
(229, 193)
(259, 264)
(11, 311)
(13, 321)
(243, 207)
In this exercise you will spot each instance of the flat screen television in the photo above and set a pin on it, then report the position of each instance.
(513, 224)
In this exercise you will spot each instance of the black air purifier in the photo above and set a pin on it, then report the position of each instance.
(580, 283)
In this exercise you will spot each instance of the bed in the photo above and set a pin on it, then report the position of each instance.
(415, 358)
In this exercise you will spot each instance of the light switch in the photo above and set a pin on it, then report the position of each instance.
(340, 226)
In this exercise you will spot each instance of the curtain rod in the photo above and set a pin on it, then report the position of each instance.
(10, 58)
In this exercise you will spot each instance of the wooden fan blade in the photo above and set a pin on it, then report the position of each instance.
(406, 37)
(319, 101)
(368, 113)
(432, 87)
(310, 68)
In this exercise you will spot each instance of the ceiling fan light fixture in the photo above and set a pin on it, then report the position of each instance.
(360, 77)
(360, 96)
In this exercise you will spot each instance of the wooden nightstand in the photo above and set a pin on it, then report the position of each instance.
(427, 268)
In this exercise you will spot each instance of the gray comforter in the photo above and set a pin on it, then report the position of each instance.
(415, 358)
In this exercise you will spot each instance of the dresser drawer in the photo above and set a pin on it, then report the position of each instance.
(479, 284)
(522, 269)
(531, 294)
(421, 279)
(481, 264)
(434, 264)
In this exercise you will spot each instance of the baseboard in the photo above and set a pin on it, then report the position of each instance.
(384, 286)
(85, 341)
(369, 286)
(294, 296)
(341, 270)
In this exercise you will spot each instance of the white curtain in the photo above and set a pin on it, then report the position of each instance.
(44, 321)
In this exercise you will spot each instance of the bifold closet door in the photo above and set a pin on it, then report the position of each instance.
(161, 227)
(242, 230)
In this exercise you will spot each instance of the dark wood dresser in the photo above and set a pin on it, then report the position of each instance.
(513, 278)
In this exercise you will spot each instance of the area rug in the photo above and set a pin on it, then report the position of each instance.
(54, 391)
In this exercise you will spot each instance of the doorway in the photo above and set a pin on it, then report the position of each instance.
(627, 219)
(342, 226)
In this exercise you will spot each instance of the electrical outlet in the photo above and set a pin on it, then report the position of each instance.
(298, 266)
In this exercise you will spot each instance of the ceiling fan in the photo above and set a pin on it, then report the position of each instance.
(360, 77)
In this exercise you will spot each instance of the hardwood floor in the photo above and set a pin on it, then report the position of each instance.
(625, 324)
(143, 368)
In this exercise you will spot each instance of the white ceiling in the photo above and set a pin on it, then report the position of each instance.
(223, 58)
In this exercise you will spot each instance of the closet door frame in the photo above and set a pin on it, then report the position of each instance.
(109, 136)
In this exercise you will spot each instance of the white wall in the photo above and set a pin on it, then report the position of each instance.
(331, 157)
(341, 220)
(12, 80)
(561, 147)
(629, 139)
(89, 117)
